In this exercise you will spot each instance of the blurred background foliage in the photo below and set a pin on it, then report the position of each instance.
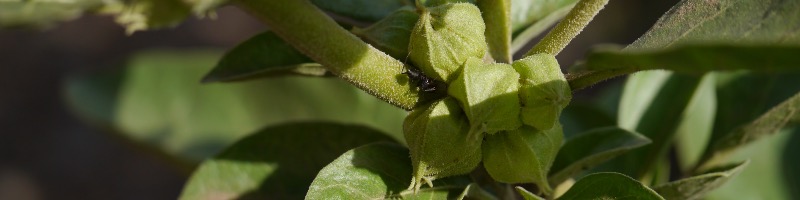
(89, 112)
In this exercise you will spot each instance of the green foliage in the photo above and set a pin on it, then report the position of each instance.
(484, 107)
(266, 165)
(609, 186)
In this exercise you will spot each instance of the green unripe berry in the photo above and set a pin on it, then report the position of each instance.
(438, 142)
(488, 94)
(444, 37)
(524, 155)
(544, 91)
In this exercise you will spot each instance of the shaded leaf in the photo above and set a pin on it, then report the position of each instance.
(527, 12)
(699, 58)
(789, 165)
(42, 13)
(697, 187)
(137, 15)
(526, 194)
(769, 123)
(367, 10)
(524, 36)
(592, 148)
(609, 185)
(263, 55)
(723, 22)
(267, 165)
(392, 33)
(161, 104)
(580, 117)
(694, 132)
(377, 171)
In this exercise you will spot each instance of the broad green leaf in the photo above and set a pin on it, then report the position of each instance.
(784, 114)
(278, 162)
(488, 93)
(581, 117)
(524, 36)
(161, 104)
(367, 10)
(763, 178)
(654, 104)
(524, 155)
(694, 132)
(771, 23)
(263, 55)
(392, 33)
(137, 15)
(42, 12)
(497, 16)
(592, 148)
(609, 185)
(697, 187)
(699, 58)
(526, 194)
(377, 171)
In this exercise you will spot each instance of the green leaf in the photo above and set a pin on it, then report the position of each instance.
(263, 55)
(592, 148)
(160, 103)
(769, 123)
(527, 12)
(697, 187)
(580, 117)
(367, 10)
(376, 171)
(267, 164)
(392, 33)
(523, 37)
(694, 132)
(488, 93)
(699, 58)
(725, 22)
(654, 104)
(609, 185)
(526, 194)
(791, 177)
(137, 15)
(42, 13)
(497, 16)
(763, 178)
(524, 155)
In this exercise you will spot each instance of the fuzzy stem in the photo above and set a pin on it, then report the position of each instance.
(567, 29)
(312, 32)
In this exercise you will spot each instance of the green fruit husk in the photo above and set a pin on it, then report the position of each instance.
(543, 91)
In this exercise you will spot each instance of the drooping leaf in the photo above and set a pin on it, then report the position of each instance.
(160, 103)
(263, 55)
(697, 187)
(278, 162)
(526, 194)
(785, 114)
(497, 16)
(763, 178)
(524, 155)
(391, 34)
(654, 105)
(725, 22)
(609, 185)
(40, 13)
(699, 58)
(592, 148)
(367, 10)
(377, 171)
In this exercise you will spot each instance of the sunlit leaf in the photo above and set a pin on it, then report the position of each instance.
(278, 162)
(697, 187)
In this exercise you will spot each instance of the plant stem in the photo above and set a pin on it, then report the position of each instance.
(316, 35)
(567, 29)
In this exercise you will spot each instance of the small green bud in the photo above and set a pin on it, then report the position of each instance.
(488, 94)
(524, 155)
(437, 138)
(391, 34)
(544, 91)
(444, 37)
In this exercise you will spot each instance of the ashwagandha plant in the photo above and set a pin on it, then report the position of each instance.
(711, 77)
